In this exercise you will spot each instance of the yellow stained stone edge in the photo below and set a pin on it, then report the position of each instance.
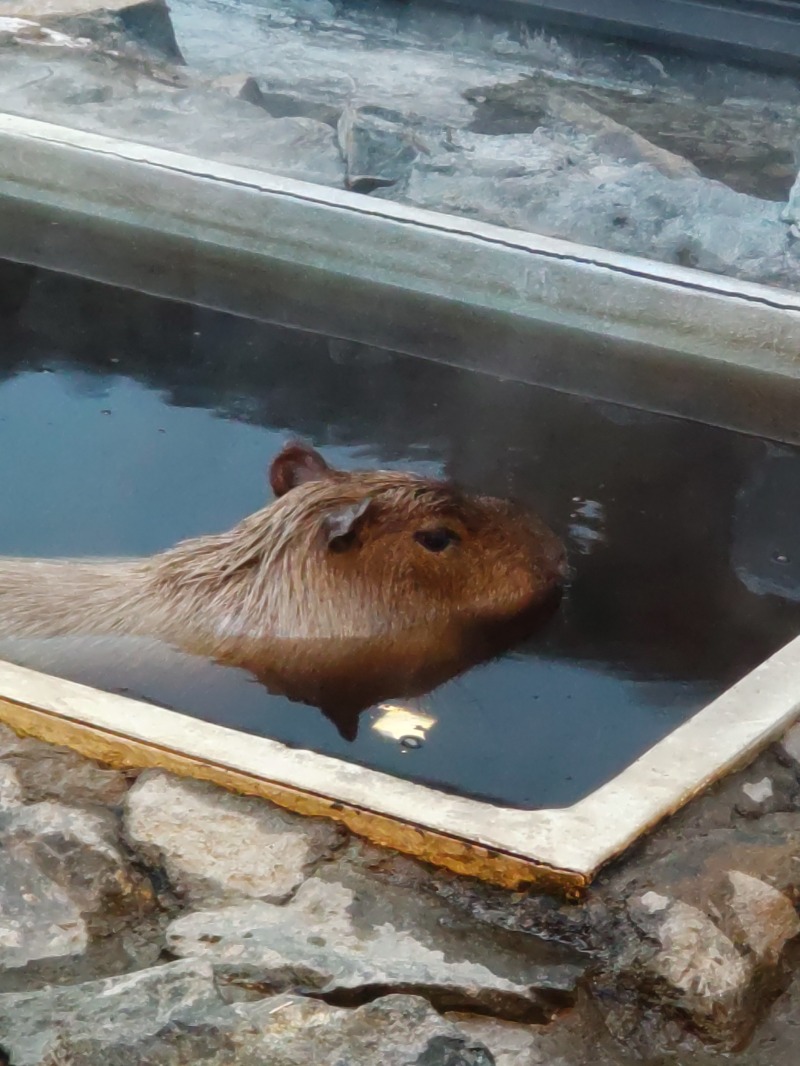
(460, 856)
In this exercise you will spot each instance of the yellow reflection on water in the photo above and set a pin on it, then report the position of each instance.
(397, 722)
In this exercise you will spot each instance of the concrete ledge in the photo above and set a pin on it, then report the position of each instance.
(555, 849)
(545, 311)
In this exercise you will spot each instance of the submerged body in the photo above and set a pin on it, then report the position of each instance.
(349, 588)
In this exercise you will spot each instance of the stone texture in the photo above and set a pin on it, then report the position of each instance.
(145, 21)
(38, 920)
(547, 183)
(216, 846)
(343, 938)
(696, 968)
(165, 106)
(378, 145)
(732, 126)
(575, 1037)
(758, 917)
(151, 1012)
(505, 179)
(756, 797)
(64, 885)
(392, 1031)
(45, 772)
(79, 851)
(776, 1041)
(242, 87)
(612, 140)
(11, 794)
(174, 1014)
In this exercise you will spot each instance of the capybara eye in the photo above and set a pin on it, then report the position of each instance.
(435, 540)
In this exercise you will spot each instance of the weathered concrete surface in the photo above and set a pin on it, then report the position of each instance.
(174, 1014)
(343, 939)
(214, 846)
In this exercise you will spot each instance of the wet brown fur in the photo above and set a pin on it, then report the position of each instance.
(325, 594)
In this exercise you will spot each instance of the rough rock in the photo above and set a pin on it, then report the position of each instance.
(733, 126)
(775, 1043)
(758, 917)
(216, 846)
(288, 103)
(378, 146)
(547, 183)
(695, 967)
(151, 1012)
(391, 1031)
(241, 87)
(46, 772)
(64, 883)
(11, 794)
(575, 1037)
(612, 140)
(344, 938)
(504, 179)
(757, 793)
(329, 57)
(175, 1014)
(38, 921)
(166, 107)
(146, 22)
(78, 850)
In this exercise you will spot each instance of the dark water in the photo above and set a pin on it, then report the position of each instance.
(127, 423)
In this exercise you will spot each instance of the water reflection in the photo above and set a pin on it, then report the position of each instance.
(675, 541)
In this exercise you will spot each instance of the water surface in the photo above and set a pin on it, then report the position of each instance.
(127, 423)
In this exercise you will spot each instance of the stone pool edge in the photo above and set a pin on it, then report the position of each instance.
(554, 850)
(524, 306)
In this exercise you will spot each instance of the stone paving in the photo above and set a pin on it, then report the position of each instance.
(157, 918)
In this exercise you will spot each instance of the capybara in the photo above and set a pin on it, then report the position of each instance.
(349, 588)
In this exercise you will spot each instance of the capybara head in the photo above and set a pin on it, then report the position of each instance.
(344, 555)
(373, 552)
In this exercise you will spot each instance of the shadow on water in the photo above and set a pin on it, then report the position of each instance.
(128, 423)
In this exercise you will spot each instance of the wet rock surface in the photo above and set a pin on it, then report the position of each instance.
(174, 1014)
(668, 157)
(214, 846)
(340, 938)
(66, 887)
(44, 772)
(296, 944)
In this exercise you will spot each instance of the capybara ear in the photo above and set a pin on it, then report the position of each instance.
(295, 464)
(340, 524)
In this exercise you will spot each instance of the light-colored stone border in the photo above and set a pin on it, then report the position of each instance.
(517, 304)
(559, 848)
